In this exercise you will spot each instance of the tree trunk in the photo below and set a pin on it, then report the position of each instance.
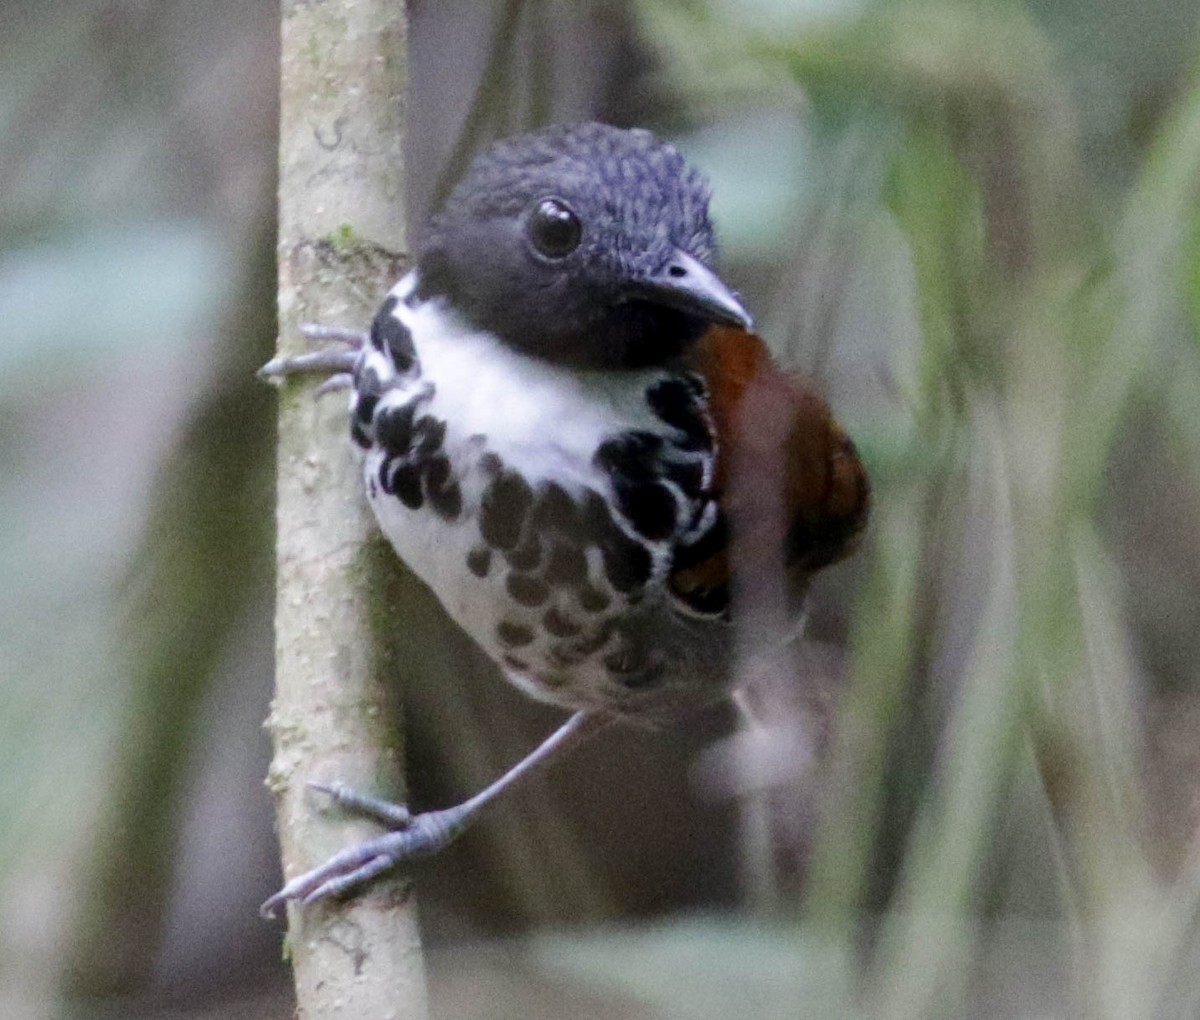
(336, 710)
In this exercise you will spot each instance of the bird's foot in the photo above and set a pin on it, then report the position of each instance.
(314, 332)
(411, 836)
(337, 365)
(417, 835)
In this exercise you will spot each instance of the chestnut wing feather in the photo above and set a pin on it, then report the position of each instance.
(770, 424)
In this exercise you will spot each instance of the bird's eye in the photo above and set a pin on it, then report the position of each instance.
(554, 229)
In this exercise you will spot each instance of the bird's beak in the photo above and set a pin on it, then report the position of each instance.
(687, 285)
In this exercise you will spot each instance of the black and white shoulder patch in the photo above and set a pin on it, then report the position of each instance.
(389, 357)
(663, 482)
(391, 336)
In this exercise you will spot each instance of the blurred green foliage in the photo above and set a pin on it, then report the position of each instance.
(124, 228)
(1000, 689)
(977, 222)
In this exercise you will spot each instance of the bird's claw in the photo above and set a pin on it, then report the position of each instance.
(412, 836)
(391, 815)
(327, 362)
(337, 364)
(315, 333)
(348, 868)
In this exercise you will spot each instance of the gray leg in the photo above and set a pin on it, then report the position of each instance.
(417, 835)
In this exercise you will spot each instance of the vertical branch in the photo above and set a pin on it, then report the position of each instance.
(335, 715)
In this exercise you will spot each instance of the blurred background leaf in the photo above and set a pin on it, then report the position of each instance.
(977, 224)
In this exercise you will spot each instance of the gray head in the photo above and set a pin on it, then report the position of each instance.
(584, 244)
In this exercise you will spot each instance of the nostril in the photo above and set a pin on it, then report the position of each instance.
(676, 271)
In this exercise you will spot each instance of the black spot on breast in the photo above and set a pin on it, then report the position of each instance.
(627, 562)
(441, 489)
(677, 402)
(364, 406)
(513, 663)
(635, 457)
(437, 471)
(377, 324)
(529, 591)
(567, 565)
(688, 475)
(559, 624)
(526, 556)
(394, 429)
(479, 561)
(514, 635)
(650, 509)
(593, 599)
(405, 482)
(503, 509)
(556, 511)
(372, 487)
(428, 435)
(367, 383)
(368, 388)
(637, 464)
(390, 334)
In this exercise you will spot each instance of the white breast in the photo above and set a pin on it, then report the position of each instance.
(543, 421)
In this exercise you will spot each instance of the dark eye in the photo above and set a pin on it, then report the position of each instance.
(554, 229)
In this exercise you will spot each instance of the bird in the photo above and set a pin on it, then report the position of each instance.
(551, 407)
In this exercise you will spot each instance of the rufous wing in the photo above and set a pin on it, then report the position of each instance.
(774, 430)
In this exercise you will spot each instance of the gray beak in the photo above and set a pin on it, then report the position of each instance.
(687, 285)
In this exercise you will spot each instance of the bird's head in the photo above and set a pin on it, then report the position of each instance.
(585, 245)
